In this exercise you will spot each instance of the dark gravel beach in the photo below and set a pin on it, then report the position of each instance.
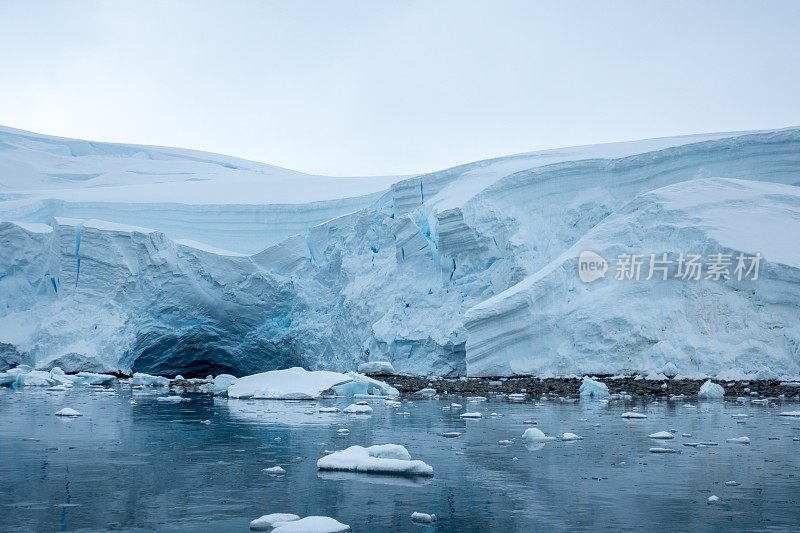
(569, 387)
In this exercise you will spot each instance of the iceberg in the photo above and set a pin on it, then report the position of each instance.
(68, 411)
(378, 459)
(291, 384)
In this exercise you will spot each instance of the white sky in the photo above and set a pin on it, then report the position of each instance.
(395, 87)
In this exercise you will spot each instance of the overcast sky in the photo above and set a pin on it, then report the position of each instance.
(371, 87)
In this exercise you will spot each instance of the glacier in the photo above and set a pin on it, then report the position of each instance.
(123, 258)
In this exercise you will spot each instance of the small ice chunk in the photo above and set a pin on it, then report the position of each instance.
(709, 443)
(357, 409)
(476, 398)
(455, 405)
(90, 378)
(790, 413)
(686, 435)
(343, 431)
(517, 397)
(451, 434)
(691, 444)
(593, 389)
(662, 450)
(68, 411)
(170, 399)
(328, 409)
(711, 391)
(424, 518)
(662, 435)
(362, 385)
(471, 415)
(631, 414)
(311, 524)
(739, 440)
(381, 458)
(275, 470)
(426, 392)
(505, 442)
(739, 415)
(535, 435)
(269, 521)
(570, 436)
(713, 499)
(732, 483)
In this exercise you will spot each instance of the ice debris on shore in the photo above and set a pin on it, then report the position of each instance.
(593, 389)
(147, 380)
(380, 458)
(711, 391)
(376, 367)
(300, 384)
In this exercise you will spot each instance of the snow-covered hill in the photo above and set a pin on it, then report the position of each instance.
(394, 271)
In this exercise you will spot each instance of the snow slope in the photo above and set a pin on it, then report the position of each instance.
(391, 275)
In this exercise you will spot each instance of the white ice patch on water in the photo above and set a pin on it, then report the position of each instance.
(380, 458)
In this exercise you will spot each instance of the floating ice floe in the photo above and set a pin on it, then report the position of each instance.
(269, 521)
(289, 384)
(631, 414)
(356, 409)
(505, 442)
(312, 524)
(170, 399)
(662, 435)
(535, 435)
(381, 458)
(275, 470)
(711, 391)
(713, 498)
(423, 518)
(360, 384)
(451, 434)
(593, 389)
(376, 367)
(570, 437)
(328, 409)
(455, 405)
(790, 413)
(471, 415)
(68, 411)
(146, 380)
(658, 449)
(92, 378)
(343, 431)
(739, 440)
(732, 483)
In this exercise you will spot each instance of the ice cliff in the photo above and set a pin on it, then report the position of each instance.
(114, 258)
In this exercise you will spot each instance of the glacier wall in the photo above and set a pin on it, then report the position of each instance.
(434, 274)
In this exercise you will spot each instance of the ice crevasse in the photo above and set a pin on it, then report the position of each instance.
(467, 271)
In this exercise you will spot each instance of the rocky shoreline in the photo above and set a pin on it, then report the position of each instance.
(569, 387)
